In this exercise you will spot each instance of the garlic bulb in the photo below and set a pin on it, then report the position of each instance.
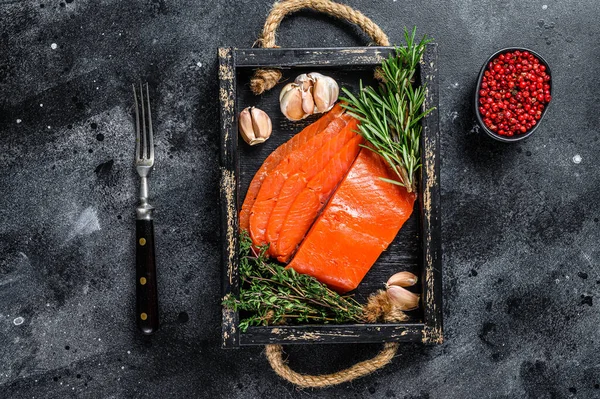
(254, 125)
(310, 93)
(402, 279)
(401, 298)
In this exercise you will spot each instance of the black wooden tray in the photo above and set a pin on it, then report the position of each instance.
(417, 247)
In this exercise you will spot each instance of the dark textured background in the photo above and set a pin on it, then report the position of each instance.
(520, 221)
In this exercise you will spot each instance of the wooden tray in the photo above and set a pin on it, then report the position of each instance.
(416, 248)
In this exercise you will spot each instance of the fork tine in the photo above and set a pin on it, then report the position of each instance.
(137, 125)
(145, 141)
(150, 133)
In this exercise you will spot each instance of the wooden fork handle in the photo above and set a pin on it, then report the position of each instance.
(146, 291)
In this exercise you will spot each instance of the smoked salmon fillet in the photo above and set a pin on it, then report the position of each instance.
(266, 199)
(296, 183)
(361, 219)
(280, 153)
(314, 196)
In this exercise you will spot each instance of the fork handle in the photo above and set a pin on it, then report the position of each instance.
(146, 292)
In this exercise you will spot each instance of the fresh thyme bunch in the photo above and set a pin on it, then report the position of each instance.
(390, 115)
(273, 295)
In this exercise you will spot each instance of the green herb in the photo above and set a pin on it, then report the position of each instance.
(272, 294)
(390, 115)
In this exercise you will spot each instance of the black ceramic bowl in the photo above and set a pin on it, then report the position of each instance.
(518, 137)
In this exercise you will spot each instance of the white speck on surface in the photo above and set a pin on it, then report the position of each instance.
(129, 352)
(53, 46)
(41, 105)
(19, 121)
(577, 158)
(97, 88)
(86, 224)
(545, 7)
(454, 85)
(49, 127)
(23, 255)
(474, 129)
(99, 339)
(18, 321)
(122, 367)
(453, 115)
(199, 64)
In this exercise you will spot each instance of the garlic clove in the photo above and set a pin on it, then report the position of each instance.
(402, 299)
(290, 102)
(261, 123)
(286, 88)
(254, 125)
(325, 92)
(402, 279)
(308, 103)
(245, 126)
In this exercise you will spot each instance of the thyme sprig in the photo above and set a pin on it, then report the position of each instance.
(272, 294)
(390, 115)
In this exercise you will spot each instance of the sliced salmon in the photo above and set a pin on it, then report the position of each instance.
(357, 225)
(295, 184)
(280, 153)
(313, 198)
(266, 199)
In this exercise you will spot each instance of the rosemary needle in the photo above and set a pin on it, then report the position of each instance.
(390, 115)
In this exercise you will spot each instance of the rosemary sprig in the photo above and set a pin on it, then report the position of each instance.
(273, 295)
(390, 115)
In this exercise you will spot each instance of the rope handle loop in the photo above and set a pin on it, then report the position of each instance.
(275, 356)
(265, 79)
(378, 308)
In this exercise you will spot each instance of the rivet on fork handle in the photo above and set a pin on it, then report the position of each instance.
(146, 287)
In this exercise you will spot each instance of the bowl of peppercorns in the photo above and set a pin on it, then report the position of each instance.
(513, 91)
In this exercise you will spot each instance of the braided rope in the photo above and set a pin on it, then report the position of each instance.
(378, 308)
(265, 79)
(275, 356)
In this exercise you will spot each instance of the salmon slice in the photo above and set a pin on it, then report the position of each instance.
(266, 198)
(359, 222)
(280, 153)
(294, 185)
(313, 198)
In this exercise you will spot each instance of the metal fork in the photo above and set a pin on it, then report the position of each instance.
(146, 292)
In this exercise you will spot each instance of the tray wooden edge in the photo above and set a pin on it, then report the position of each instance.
(429, 332)
(332, 334)
(430, 203)
(228, 196)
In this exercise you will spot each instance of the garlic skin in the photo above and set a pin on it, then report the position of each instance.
(401, 298)
(254, 125)
(402, 279)
(325, 92)
(295, 103)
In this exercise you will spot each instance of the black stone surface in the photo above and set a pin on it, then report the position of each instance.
(520, 221)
